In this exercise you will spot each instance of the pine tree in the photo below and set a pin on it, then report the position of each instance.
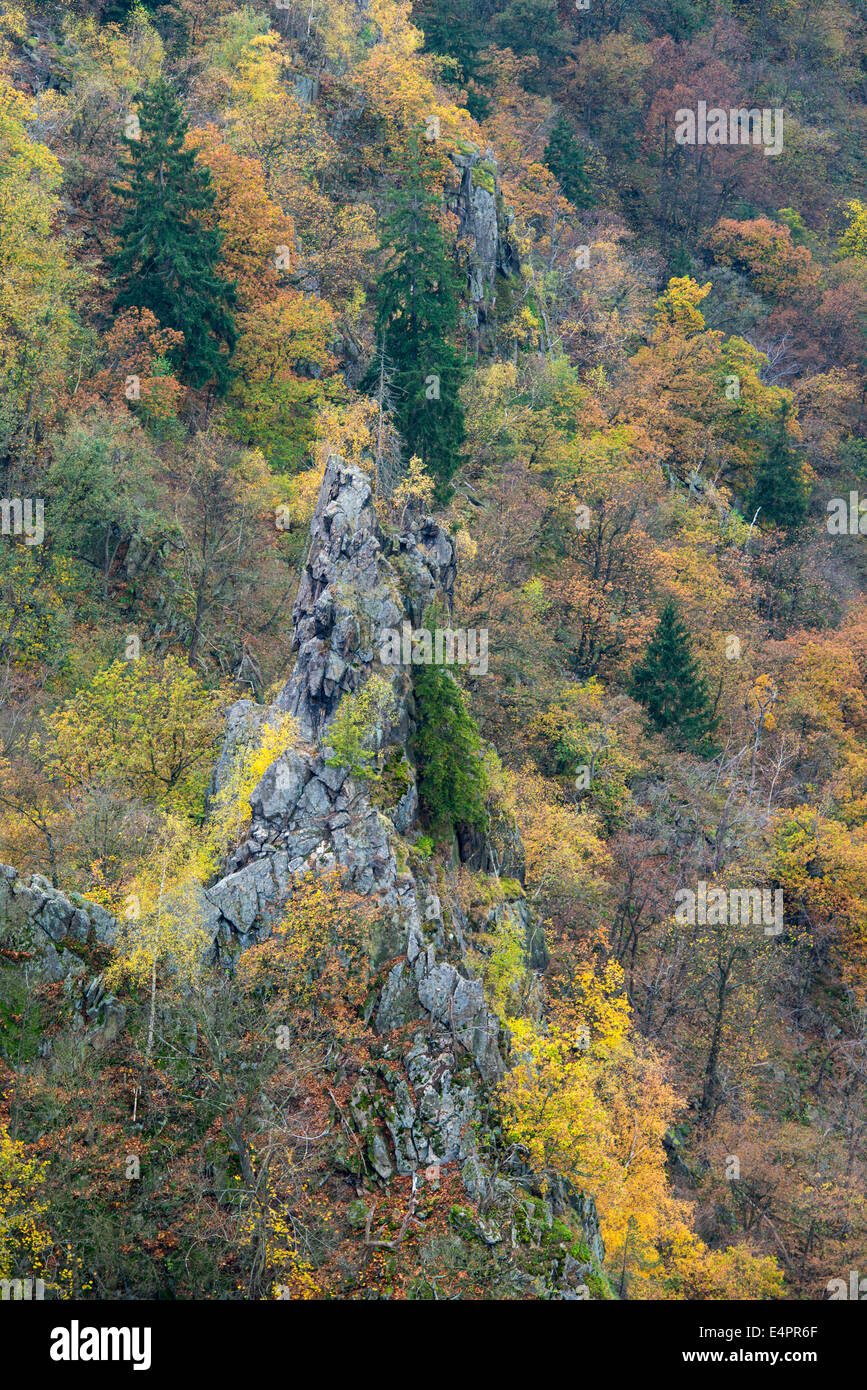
(448, 751)
(780, 488)
(417, 301)
(453, 29)
(668, 682)
(565, 158)
(120, 10)
(168, 260)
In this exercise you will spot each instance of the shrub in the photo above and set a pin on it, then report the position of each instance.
(352, 731)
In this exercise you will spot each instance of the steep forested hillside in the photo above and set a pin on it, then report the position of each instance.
(433, 695)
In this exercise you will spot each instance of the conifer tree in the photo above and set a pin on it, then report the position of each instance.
(417, 301)
(448, 750)
(565, 158)
(120, 10)
(669, 683)
(780, 488)
(453, 29)
(168, 259)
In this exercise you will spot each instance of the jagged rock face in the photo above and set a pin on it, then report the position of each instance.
(37, 917)
(309, 817)
(39, 922)
(356, 584)
(484, 227)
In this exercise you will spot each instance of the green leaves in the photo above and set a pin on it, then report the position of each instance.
(152, 730)
(565, 158)
(356, 733)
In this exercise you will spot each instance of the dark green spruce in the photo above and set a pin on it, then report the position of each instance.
(448, 751)
(565, 158)
(418, 308)
(668, 682)
(453, 29)
(780, 489)
(168, 259)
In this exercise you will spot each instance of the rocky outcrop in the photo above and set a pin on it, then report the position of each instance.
(309, 817)
(65, 939)
(420, 1105)
(357, 583)
(422, 1100)
(36, 919)
(488, 249)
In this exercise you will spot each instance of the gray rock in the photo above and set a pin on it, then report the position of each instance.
(358, 582)
(315, 803)
(485, 228)
(36, 917)
(280, 787)
(243, 720)
(333, 777)
(244, 897)
(405, 812)
(378, 1154)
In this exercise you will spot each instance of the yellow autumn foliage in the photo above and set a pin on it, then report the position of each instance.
(586, 1100)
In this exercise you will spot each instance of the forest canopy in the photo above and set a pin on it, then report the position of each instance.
(434, 442)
